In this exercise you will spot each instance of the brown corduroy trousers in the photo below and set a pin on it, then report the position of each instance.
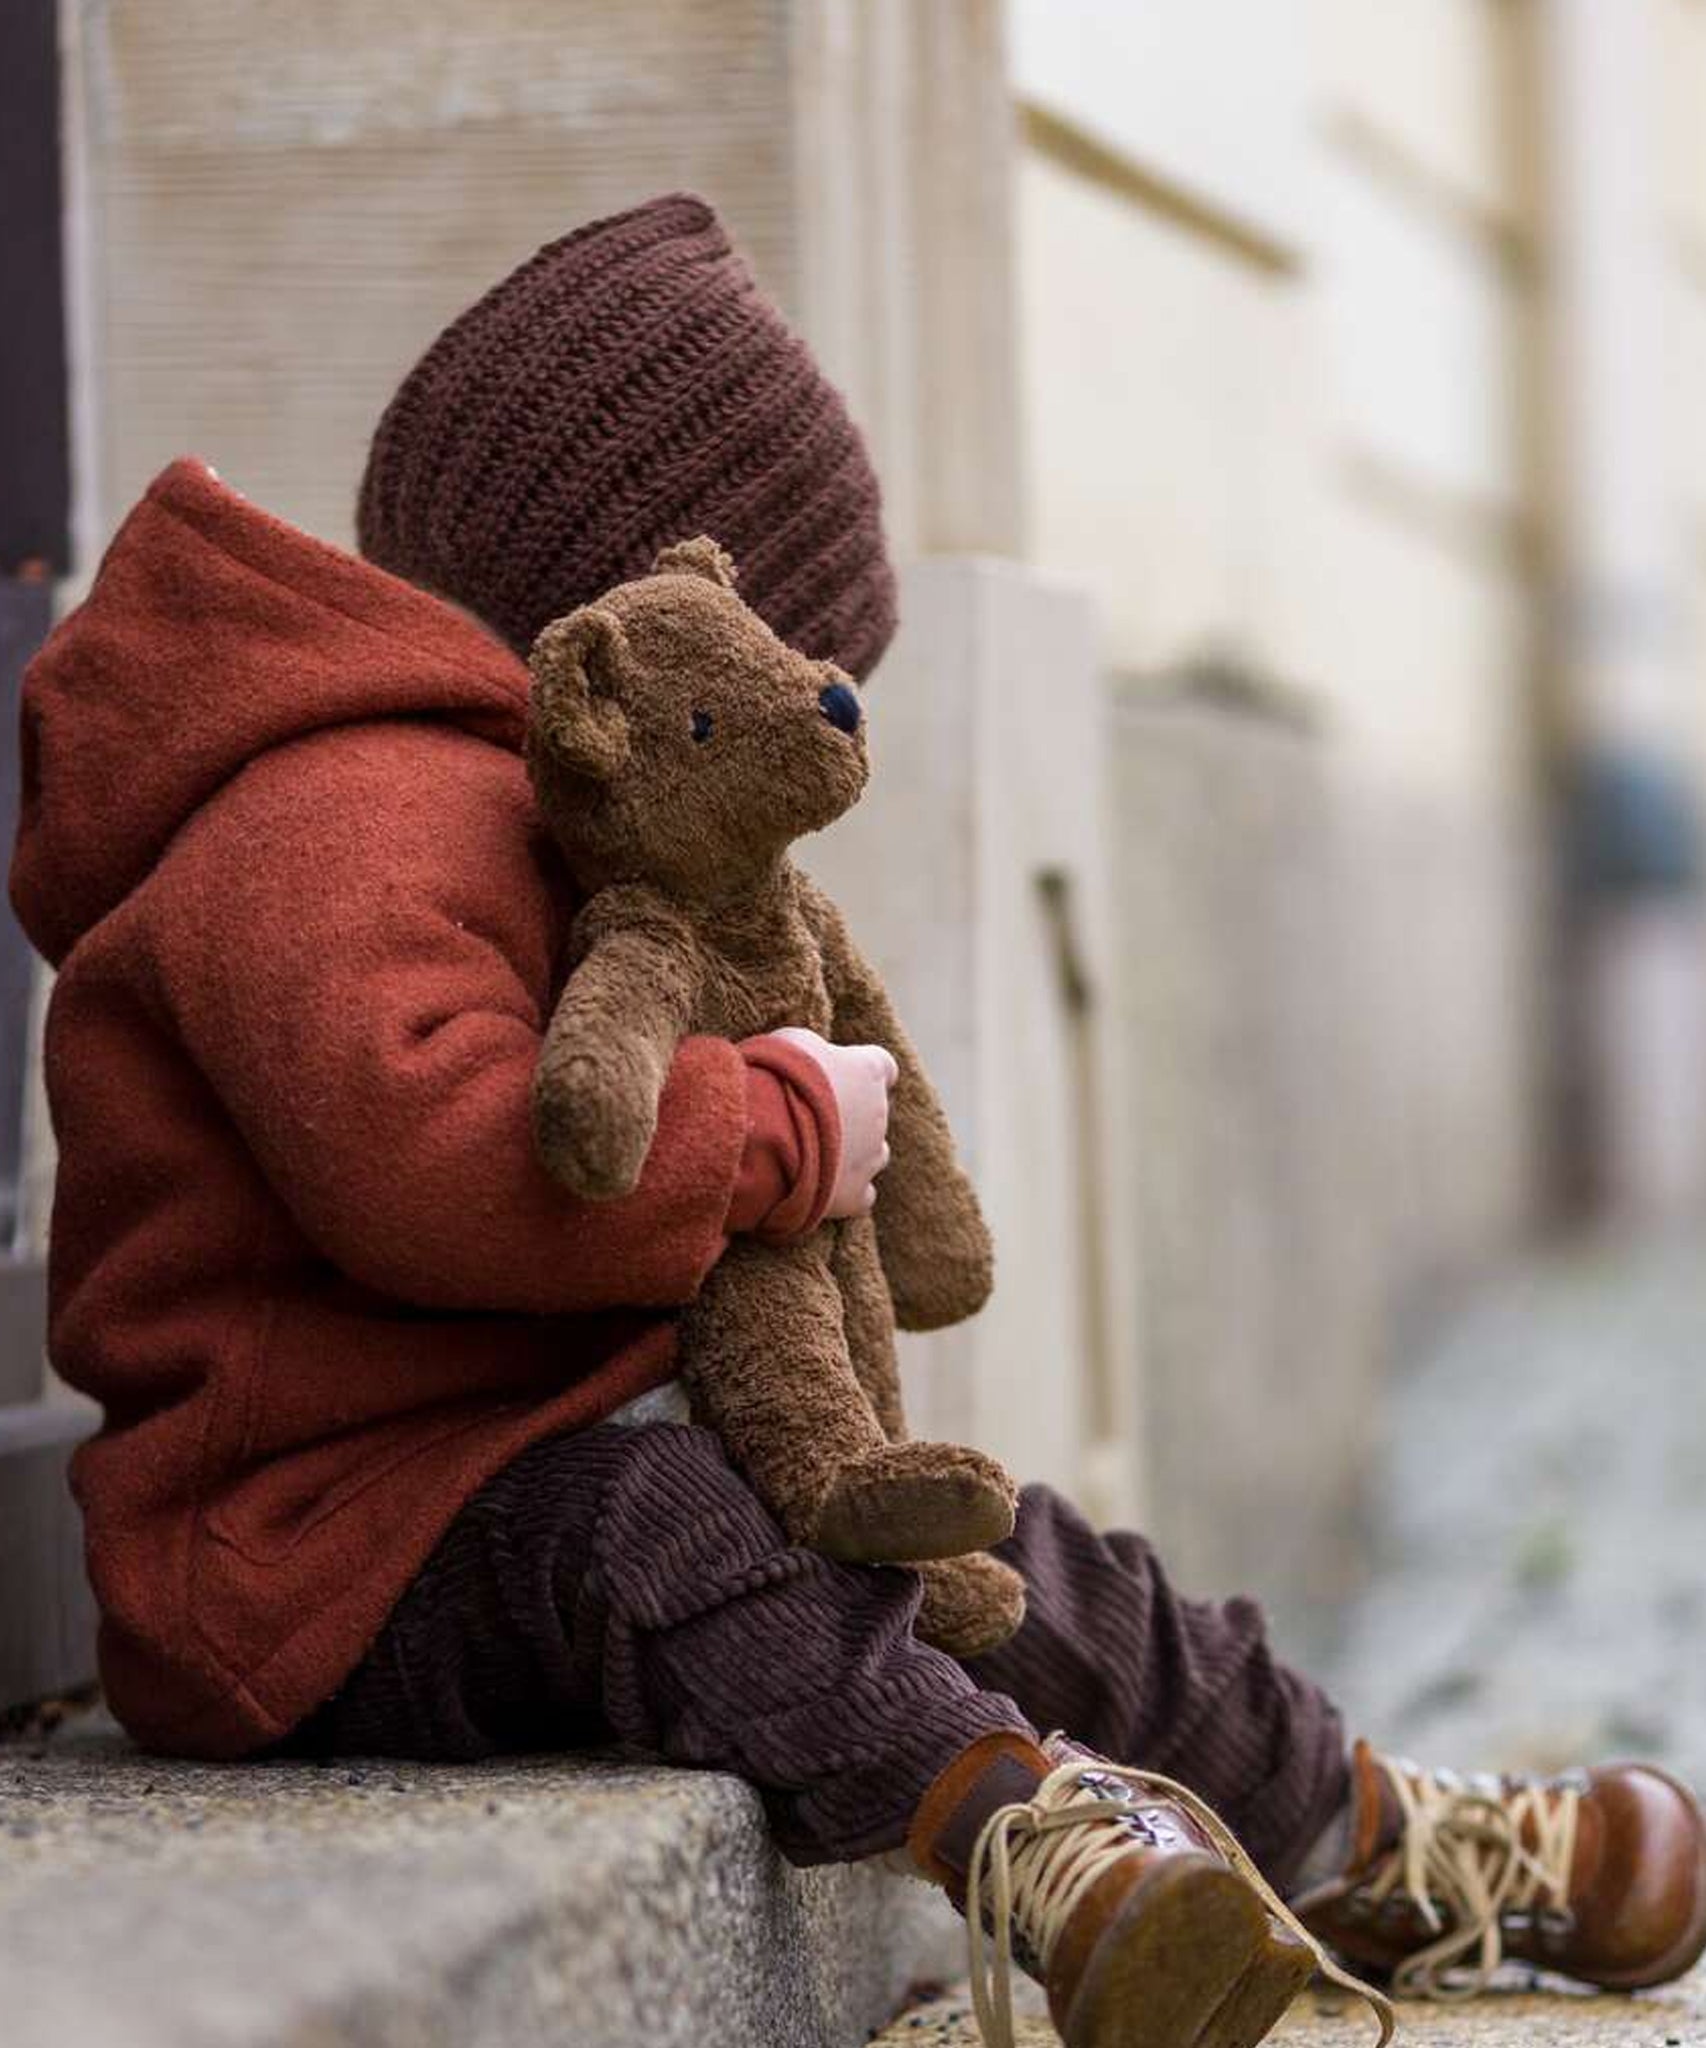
(625, 1585)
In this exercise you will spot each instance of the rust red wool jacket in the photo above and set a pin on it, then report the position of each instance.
(277, 837)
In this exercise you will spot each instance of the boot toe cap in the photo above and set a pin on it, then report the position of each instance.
(1641, 1915)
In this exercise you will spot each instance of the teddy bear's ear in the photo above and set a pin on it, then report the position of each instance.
(701, 557)
(576, 716)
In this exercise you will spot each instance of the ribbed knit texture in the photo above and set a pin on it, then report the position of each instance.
(625, 1584)
(627, 387)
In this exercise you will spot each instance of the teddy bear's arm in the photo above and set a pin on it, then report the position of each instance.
(934, 1243)
(607, 1050)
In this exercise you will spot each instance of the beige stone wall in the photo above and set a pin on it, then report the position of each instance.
(1259, 1253)
(1276, 411)
(278, 207)
(285, 203)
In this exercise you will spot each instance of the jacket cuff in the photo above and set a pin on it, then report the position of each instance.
(792, 1155)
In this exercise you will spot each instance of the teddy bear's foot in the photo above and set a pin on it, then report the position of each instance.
(971, 1604)
(911, 1501)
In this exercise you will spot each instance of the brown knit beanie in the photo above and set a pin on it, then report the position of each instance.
(627, 387)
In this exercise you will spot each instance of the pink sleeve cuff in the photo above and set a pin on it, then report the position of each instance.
(793, 1144)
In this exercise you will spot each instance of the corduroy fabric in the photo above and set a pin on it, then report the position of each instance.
(1113, 1654)
(627, 387)
(625, 1583)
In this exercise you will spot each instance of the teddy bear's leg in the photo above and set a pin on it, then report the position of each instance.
(971, 1604)
(869, 1317)
(764, 1350)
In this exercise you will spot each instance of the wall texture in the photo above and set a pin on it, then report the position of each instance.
(1290, 446)
(285, 205)
(1261, 1261)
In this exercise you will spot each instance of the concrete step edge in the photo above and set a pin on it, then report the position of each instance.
(153, 1905)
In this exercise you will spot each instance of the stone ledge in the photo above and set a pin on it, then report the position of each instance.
(146, 1904)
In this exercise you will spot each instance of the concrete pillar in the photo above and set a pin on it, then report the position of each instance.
(978, 870)
(1636, 936)
(902, 260)
(976, 874)
(1260, 1207)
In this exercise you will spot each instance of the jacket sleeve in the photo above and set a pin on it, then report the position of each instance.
(793, 1144)
(354, 944)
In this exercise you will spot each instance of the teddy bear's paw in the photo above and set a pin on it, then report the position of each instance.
(589, 1140)
(938, 1278)
(914, 1500)
(971, 1605)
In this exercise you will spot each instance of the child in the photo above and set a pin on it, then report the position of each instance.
(371, 1478)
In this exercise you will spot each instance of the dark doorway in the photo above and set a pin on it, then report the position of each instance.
(46, 1620)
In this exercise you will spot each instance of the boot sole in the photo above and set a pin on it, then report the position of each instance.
(1264, 1995)
(1178, 1957)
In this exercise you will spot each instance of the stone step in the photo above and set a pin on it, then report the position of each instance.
(146, 1904)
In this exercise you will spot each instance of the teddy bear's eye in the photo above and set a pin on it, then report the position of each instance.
(702, 724)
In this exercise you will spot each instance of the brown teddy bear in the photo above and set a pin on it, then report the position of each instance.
(677, 748)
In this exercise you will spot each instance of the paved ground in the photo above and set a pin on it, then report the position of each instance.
(1675, 2019)
(1538, 1589)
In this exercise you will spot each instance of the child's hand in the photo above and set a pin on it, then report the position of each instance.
(860, 1077)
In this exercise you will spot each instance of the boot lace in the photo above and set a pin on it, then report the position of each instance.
(1465, 1866)
(1035, 1861)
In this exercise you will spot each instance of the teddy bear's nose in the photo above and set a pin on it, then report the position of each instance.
(839, 705)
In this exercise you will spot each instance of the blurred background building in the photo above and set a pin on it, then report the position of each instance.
(1292, 423)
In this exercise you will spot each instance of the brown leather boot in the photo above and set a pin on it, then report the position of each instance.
(1118, 1891)
(1598, 1874)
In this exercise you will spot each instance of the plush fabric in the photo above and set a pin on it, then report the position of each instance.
(627, 386)
(678, 748)
(277, 836)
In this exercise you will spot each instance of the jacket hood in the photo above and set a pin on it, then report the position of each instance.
(212, 633)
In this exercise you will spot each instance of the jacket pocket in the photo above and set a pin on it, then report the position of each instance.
(271, 1510)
